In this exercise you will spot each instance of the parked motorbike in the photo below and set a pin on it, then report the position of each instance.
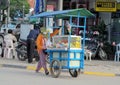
(97, 50)
(22, 51)
(100, 52)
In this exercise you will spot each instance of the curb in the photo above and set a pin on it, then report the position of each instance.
(84, 72)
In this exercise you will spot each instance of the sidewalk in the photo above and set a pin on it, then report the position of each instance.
(94, 67)
(102, 68)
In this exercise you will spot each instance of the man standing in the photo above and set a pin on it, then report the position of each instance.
(31, 38)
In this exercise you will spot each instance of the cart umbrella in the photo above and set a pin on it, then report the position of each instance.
(65, 13)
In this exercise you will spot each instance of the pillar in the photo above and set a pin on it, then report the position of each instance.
(60, 7)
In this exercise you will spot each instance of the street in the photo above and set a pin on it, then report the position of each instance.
(14, 76)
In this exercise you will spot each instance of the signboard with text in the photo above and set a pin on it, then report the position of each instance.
(49, 21)
(106, 5)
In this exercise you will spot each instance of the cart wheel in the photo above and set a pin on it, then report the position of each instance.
(73, 72)
(55, 68)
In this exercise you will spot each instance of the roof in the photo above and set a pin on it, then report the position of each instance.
(65, 13)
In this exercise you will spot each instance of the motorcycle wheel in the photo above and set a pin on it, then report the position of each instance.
(1, 50)
(102, 54)
(23, 55)
(1, 44)
(1, 40)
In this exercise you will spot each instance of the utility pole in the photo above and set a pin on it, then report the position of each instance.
(60, 7)
(8, 12)
(23, 12)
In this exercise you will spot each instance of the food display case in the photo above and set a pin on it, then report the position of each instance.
(65, 42)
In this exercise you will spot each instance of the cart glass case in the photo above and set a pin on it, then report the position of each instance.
(66, 42)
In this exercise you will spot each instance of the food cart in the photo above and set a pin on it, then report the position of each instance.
(67, 51)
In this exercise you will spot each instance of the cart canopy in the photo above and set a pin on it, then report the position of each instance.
(82, 12)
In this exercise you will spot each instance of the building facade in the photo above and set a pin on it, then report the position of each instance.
(107, 10)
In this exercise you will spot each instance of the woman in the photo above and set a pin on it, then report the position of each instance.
(41, 45)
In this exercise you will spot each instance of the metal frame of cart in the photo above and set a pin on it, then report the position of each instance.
(61, 58)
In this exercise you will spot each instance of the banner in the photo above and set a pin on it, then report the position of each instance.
(39, 6)
(49, 22)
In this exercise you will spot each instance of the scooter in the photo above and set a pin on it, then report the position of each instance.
(22, 51)
(97, 50)
(100, 52)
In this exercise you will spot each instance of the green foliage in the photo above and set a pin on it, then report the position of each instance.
(4, 4)
(101, 28)
(18, 4)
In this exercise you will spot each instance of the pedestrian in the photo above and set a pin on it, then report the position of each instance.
(42, 42)
(31, 39)
(41, 46)
(10, 37)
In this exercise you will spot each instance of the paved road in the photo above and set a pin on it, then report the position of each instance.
(13, 76)
(94, 67)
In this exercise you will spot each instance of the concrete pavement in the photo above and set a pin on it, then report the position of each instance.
(94, 67)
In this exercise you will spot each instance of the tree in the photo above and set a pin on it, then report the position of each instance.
(4, 4)
(101, 28)
(16, 5)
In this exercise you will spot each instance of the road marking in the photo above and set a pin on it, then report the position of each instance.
(30, 67)
(33, 68)
(100, 74)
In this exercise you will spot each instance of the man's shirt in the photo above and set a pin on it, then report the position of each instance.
(33, 34)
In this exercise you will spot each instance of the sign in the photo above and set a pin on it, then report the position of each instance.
(106, 5)
(49, 21)
(118, 6)
(50, 8)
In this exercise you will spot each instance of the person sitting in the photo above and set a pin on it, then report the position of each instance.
(10, 37)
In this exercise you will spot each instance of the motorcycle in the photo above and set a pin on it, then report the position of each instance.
(100, 52)
(22, 51)
(97, 50)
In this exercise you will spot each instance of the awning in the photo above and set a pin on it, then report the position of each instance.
(66, 13)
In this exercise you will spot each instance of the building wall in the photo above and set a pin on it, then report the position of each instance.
(91, 4)
(54, 3)
(115, 31)
(106, 16)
